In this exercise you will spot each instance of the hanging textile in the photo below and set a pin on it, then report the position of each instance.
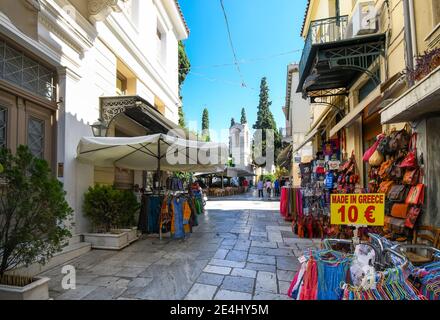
(320, 276)
(149, 214)
(177, 228)
(154, 207)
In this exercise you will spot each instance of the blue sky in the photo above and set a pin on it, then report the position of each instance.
(264, 33)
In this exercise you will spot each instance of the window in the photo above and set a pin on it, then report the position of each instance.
(121, 85)
(25, 72)
(36, 137)
(3, 126)
(161, 43)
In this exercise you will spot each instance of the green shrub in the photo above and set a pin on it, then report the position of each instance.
(128, 207)
(108, 208)
(33, 211)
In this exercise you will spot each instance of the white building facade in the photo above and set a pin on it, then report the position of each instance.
(87, 59)
(298, 120)
(240, 145)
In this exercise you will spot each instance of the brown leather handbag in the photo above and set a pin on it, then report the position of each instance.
(397, 193)
(400, 210)
(411, 177)
(385, 187)
(384, 168)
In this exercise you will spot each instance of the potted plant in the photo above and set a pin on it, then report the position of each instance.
(109, 210)
(33, 212)
(128, 206)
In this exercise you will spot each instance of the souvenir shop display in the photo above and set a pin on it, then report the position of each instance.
(395, 171)
(173, 212)
(427, 280)
(175, 184)
(372, 272)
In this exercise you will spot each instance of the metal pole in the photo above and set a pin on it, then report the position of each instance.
(158, 165)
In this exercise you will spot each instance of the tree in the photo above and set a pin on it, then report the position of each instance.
(232, 122)
(205, 125)
(184, 64)
(182, 122)
(265, 120)
(184, 69)
(33, 211)
(243, 119)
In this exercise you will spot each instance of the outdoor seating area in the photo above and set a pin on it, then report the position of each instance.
(225, 192)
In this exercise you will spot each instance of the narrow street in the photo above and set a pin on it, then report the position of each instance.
(241, 250)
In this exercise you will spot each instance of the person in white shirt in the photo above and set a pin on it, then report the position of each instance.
(268, 188)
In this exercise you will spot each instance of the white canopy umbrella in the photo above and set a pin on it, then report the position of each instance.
(155, 152)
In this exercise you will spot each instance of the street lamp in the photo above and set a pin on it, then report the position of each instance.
(99, 129)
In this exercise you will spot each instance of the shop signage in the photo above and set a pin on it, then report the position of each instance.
(357, 209)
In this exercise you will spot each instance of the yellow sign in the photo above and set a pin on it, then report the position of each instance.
(358, 209)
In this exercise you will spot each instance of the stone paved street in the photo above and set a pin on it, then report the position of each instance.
(242, 249)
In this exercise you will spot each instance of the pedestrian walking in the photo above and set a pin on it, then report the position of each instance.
(268, 188)
(260, 187)
(277, 188)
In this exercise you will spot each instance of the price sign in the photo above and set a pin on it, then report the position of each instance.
(358, 209)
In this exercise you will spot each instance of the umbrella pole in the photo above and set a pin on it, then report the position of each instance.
(159, 180)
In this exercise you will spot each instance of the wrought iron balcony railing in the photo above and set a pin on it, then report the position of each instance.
(323, 31)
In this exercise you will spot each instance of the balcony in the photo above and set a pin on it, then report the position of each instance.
(137, 109)
(333, 59)
(323, 31)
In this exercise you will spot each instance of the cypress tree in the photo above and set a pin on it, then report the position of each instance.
(232, 122)
(205, 125)
(265, 119)
(243, 119)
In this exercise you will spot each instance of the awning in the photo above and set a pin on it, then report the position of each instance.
(154, 152)
(373, 97)
(420, 101)
(230, 172)
(284, 159)
(311, 134)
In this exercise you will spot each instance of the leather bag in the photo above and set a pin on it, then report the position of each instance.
(399, 140)
(383, 146)
(416, 195)
(395, 225)
(395, 172)
(411, 219)
(376, 159)
(400, 210)
(397, 193)
(411, 177)
(384, 168)
(410, 160)
(385, 187)
(372, 149)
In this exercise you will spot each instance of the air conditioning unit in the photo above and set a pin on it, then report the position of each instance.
(363, 19)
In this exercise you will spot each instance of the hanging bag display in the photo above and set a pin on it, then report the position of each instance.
(397, 193)
(369, 153)
(399, 140)
(376, 159)
(383, 146)
(410, 160)
(416, 195)
(385, 187)
(399, 210)
(384, 168)
(411, 177)
(411, 219)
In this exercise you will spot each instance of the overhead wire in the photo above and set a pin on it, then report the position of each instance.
(237, 65)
